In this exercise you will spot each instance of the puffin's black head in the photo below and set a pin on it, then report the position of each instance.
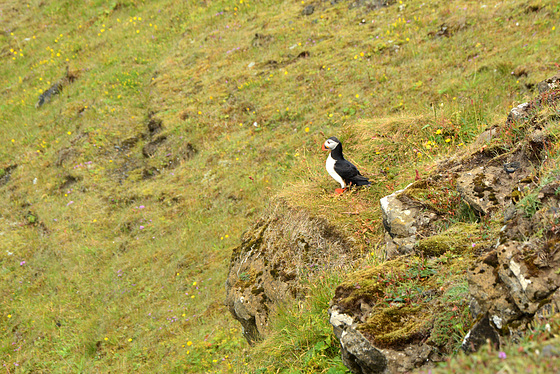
(330, 144)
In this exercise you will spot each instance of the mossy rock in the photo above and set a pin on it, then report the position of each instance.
(439, 244)
(364, 285)
(395, 326)
(437, 194)
(399, 302)
(456, 239)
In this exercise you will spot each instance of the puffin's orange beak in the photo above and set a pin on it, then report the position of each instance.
(323, 147)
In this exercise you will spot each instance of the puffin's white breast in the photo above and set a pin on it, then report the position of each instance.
(330, 168)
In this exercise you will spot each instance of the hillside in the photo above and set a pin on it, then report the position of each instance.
(165, 130)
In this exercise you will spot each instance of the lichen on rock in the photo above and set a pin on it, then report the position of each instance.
(460, 210)
(403, 309)
(283, 247)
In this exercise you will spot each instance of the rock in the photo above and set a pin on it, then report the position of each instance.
(339, 321)
(5, 174)
(369, 5)
(529, 272)
(404, 218)
(513, 273)
(511, 167)
(490, 294)
(513, 281)
(550, 350)
(381, 333)
(410, 358)
(480, 334)
(488, 188)
(361, 356)
(489, 180)
(308, 10)
(519, 113)
(510, 212)
(281, 248)
(358, 354)
(410, 217)
(399, 221)
(549, 84)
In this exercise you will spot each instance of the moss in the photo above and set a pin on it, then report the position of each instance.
(452, 318)
(436, 245)
(251, 240)
(439, 195)
(395, 326)
(412, 298)
(247, 278)
(416, 191)
(403, 280)
(456, 239)
(365, 285)
(365, 289)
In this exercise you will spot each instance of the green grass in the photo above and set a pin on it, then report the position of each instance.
(101, 246)
(535, 352)
(301, 342)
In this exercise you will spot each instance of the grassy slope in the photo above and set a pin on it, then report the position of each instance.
(119, 268)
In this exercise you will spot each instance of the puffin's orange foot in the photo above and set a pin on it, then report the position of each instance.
(338, 191)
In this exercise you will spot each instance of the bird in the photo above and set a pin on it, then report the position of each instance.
(342, 170)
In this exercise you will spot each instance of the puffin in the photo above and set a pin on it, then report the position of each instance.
(342, 170)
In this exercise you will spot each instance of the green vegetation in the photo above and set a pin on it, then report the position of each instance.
(412, 299)
(300, 338)
(536, 352)
(122, 197)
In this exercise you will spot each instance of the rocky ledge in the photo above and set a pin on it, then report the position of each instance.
(284, 247)
(472, 253)
(476, 244)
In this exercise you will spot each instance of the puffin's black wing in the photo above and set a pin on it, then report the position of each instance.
(350, 173)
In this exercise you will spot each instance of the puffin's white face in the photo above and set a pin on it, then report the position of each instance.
(330, 144)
